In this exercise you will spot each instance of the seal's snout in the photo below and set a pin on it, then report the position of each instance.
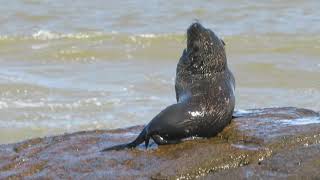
(195, 29)
(194, 36)
(195, 25)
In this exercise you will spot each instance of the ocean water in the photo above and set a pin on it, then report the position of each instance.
(81, 65)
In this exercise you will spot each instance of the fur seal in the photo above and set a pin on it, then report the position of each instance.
(204, 91)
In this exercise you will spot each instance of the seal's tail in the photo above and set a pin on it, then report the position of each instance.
(143, 137)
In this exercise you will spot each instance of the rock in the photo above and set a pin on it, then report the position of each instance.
(276, 143)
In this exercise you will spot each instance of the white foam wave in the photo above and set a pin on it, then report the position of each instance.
(4, 37)
(21, 104)
(3, 105)
(48, 35)
(52, 105)
(243, 112)
(148, 35)
(45, 35)
(300, 121)
(39, 46)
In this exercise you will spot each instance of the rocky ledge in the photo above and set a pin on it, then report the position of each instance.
(276, 143)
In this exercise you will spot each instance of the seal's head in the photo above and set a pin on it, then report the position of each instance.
(205, 52)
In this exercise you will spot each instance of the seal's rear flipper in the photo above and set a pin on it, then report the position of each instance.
(119, 147)
(140, 139)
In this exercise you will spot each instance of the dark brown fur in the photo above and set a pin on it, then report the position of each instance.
(204, 91)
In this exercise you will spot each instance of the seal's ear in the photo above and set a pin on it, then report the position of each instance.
(223, 42)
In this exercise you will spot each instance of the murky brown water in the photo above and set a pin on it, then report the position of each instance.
(69, 66)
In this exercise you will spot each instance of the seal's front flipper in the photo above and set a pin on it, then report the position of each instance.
(143, 137)
(161, 141)
(146, 142)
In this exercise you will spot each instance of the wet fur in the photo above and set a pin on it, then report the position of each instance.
(204, 92)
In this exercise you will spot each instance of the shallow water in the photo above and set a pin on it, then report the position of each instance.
(80, 65)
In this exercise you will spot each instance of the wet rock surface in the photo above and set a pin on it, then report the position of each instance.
(273, 143)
